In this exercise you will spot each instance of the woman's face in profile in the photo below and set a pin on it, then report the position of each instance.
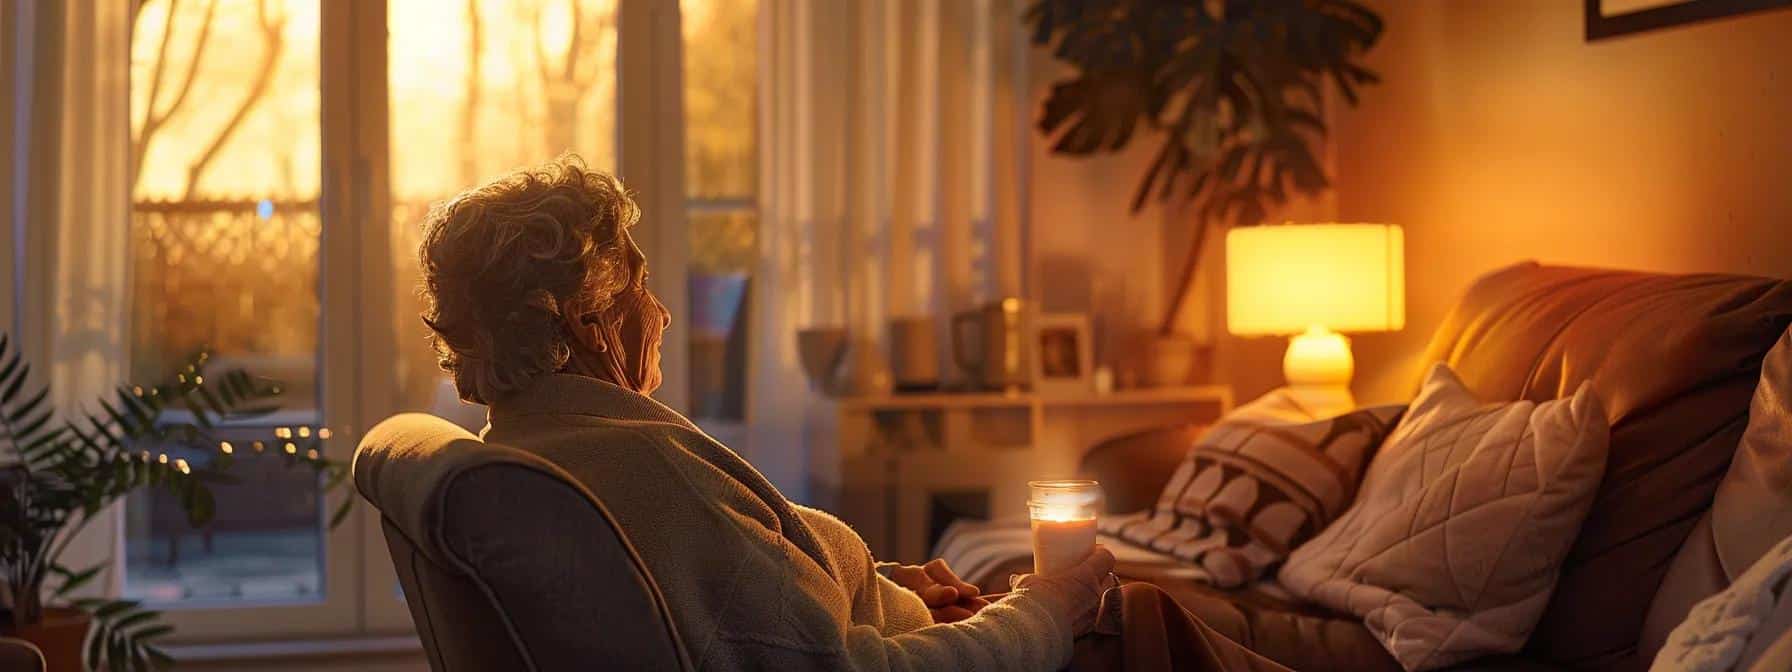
(644, 322)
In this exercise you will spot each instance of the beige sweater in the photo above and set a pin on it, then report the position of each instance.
(753, 580)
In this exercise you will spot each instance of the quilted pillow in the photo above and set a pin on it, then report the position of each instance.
(1454, 543)
(1264, 479)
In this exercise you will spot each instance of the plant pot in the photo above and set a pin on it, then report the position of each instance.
(60, 636)
(821, 350)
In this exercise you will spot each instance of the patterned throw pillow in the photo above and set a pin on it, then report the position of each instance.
(1264, 479)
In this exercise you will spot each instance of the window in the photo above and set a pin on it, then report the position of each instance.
(721, 179)
(486, 86)
(225, 231)
(286, 243)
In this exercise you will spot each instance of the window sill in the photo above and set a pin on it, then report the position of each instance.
(359, 647)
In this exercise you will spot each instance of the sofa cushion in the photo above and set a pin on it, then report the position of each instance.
(1674, 358)
(1452, 546)
(1264, 479)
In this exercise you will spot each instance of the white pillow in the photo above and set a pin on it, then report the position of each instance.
(1456, 537)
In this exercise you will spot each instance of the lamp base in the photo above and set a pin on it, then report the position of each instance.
(1318, 367)
(1322, 401)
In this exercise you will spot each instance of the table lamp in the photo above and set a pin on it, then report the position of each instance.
(1311, 281)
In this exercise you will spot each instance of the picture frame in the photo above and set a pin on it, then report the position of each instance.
(1614, 18)
(1063, 354)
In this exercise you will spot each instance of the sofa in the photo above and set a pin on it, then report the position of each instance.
(1675, 358)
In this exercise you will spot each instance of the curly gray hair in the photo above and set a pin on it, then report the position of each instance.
(504, 264)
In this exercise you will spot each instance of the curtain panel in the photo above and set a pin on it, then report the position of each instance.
(66, 201)
(894, 140)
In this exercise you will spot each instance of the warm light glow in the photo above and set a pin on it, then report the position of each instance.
(1062, 513)
(1063, 501)
(1287, 279)
(1318, 357)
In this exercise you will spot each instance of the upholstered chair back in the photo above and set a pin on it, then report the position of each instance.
(507, 563)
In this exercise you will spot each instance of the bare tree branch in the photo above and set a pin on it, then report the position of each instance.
(574, 44)
(541, 54)
(583, 81)
(469, 119)
(153, 120)
(273, 30)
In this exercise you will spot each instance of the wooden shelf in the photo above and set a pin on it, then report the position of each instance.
(1147, 395)
(940, 400)
(948, 400)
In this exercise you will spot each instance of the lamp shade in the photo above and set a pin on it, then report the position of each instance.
(1343, 277)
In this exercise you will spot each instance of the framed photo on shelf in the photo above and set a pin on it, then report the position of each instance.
(1063, 354)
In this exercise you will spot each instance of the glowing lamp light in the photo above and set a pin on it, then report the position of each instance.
(1063, 515)
(1311, 281)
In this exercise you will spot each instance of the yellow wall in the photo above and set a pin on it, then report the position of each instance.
(1500, 134)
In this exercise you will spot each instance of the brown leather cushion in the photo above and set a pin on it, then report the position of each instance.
(1675, 359)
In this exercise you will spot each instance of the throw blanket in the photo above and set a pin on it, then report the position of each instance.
(1154, 634)
(1734, 629)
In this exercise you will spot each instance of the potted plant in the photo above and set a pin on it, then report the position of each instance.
(1233, 89)
(58, 471)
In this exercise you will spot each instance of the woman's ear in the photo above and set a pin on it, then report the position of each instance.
(586, 332)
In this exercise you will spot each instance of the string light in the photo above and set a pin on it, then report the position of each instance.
(163, 458)
(182, 466)
(323, 432)
(225, 447)
(258, 446)
(283, 432)
(291, 449)
(304, 432)
(311, 454)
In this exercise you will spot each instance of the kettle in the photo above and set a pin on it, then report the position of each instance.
(990, 344)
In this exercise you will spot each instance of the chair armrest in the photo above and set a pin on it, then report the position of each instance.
(1134, 468)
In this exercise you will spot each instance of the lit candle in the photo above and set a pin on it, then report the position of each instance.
(1063, 514)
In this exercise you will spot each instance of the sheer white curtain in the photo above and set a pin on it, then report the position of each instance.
(893, 136)
(66, 202)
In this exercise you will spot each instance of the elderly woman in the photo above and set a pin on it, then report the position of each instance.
(539, 302)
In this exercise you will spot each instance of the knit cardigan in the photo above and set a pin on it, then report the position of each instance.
(754, 581)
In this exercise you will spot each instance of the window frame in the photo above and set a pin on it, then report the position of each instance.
(357, 387)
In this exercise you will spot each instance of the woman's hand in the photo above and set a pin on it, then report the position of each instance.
(947, 596)
(1077, 590)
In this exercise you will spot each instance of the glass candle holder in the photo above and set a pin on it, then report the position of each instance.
(1063, 515)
